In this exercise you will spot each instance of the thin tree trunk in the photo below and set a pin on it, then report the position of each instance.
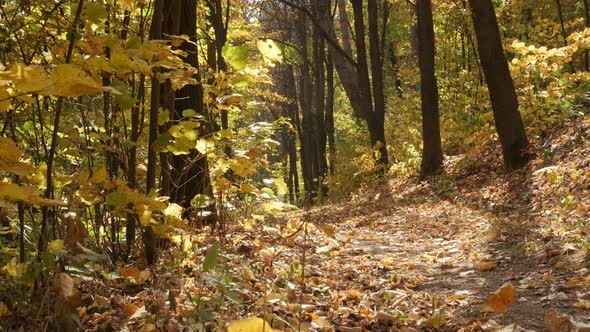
(329, 121)
(563, 31)
(375, 51)
(587, 21)
(432, 148)
(149, 240)
(509, 124)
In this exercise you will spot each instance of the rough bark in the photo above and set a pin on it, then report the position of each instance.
(432, 149)
(509, 124)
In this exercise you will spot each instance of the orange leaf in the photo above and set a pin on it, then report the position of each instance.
(502, 298)
(130, 309)
(486, 266)
(130, 272)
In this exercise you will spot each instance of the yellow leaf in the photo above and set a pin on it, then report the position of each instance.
(248, 188)
(14, 193)
(436, 321)
(10, 156)
(27, 79)
(502, 298)
(252, 324)
(388, 261)
(583, 304)
(4, 100)
(205, 146)
(3, 309)
(71, 81)
(15, 269)
(55, 246)
(573, 283)
(249, 275)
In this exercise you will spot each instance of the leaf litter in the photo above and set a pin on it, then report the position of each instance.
(457, 252)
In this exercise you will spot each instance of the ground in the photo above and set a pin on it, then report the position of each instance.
(447, 253)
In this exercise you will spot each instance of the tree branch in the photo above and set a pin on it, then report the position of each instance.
(334, 43)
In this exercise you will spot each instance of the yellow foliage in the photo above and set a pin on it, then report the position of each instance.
(252, 324)
(71, 81)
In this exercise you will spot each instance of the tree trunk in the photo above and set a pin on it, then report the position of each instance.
(587, 21)
(305, 97)
(149, 240)
(509, 124)
(376, 52)
(432, 149)
(329, 120)
(563, 31)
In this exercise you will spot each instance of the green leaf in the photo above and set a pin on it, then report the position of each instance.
(236, 56)
(94, 12)
(270, 51)
(211, 257)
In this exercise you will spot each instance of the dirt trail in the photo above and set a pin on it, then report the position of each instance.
(424, 261)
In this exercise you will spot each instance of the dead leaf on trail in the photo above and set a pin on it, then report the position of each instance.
(500, 299)
(134, 273)
(485, 266)
(130, 309)
(252, 324)
(561, 266)
(583, 304)
(436, 321)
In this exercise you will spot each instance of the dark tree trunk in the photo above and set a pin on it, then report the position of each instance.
(305, 104)
(587, 21)
(432, 149)
(149, 240)
(394, 59)
(329, 120)
(376, 52)
(318, 133)
(563, 31)
(509, 124)
(190, 172)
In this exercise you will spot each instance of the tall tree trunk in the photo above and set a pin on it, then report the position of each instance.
(344, 24)
(149, 240)
(191, 172)
(587, 21)
(432, 149)
(329, 120)
(394, 59)
(376, 52)
(563, 31)
(320, 166)
(509, 124)
(305, 97)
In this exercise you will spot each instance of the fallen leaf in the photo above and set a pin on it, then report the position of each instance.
(486, 266)
(130, 309)
(252, 324)
(501, 299)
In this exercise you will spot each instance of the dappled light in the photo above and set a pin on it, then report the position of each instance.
(295, 165)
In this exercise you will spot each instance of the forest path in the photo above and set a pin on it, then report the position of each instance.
(426, 262)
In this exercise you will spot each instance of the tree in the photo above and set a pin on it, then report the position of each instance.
(509, 124)
(432, 149)
(363, 84)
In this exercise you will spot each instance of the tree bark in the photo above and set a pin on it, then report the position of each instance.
(149, 240)
(376, 52)
(587, 21)
(432, 156)
(509, 124)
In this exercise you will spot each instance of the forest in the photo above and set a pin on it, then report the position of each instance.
(295, 165)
